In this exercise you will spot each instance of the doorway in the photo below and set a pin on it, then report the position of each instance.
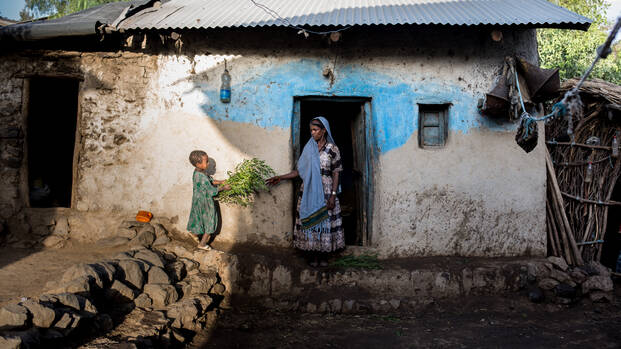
(348, 118)
(51, 127)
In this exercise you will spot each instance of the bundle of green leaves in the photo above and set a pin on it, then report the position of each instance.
(247, 179)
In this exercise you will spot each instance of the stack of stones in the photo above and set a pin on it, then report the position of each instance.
(143, 298)
(137, 234)
(563, 284)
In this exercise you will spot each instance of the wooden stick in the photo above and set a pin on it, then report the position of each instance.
(552, 231)
(561, 227)
(587, 201)
(600, 147)
(556, 191)
(555, 233)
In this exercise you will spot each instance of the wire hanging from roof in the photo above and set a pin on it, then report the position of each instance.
(286, 22)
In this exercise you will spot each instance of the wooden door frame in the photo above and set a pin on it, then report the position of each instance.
(368, 178)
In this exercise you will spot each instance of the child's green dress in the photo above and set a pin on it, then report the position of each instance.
(203, 218)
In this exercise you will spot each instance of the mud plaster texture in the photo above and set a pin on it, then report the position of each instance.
(142, 113)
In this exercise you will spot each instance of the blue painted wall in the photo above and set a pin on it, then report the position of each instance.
(264, 96)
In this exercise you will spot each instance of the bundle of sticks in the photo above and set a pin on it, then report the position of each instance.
(579, 198)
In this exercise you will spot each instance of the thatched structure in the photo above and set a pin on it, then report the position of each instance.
(579, 208)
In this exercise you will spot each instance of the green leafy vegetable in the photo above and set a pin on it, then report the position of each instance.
(364, 261)
(247, 179)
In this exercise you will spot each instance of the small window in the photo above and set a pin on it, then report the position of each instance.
(432, 125)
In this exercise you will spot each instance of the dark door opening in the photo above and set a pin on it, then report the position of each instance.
(347, 123)
(612, 239)
(51, 127)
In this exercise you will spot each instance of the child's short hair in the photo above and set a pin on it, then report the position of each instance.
(196, 156)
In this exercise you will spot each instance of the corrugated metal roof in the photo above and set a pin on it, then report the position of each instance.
(179, 14)
(76, 24)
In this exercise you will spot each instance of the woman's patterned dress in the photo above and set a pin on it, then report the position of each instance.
(330, 161)
(203, 218)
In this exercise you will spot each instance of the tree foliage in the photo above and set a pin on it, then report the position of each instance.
(57, 8)
(573, 51)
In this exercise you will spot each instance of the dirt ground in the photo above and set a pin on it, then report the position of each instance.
(485, 322)
(24, 272)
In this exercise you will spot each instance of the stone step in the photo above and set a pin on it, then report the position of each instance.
(280, 279)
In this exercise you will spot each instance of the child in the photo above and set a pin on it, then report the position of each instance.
(203, 219)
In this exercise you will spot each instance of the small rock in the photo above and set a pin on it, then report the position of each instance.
(13, 316)
(68, 299)
(132, 273)
(601, 297)
(122, 292)
(124, 255)
(599, 269)
(113, 241)
(161, 240)
(535, 295)
(395, 303)
(183, 314)
(311, 308)
(67, 322)
(143, 301)
(559, 276)
(157, 275)
(558, 262)
(189, 264)
(161, 294)
(42, 316)
(578, 275)
(202, 283)
(10, 342)
(176, 270)
(144, 238)
(131, 224)
(127, 233)
(80, 270)
(159, 230)
(336, 305)
(323, 307)
(53, 241)
(184, 288)
(565, 291)
(150, 257)
(204, 301)
(597, 283)
(61, 227)
(348, 306)
(548, 284)
(218, 289)
(83, 284)
(106, 270)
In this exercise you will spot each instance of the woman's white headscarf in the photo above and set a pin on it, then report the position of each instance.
(313, 209)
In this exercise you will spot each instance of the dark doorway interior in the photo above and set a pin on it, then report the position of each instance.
(52, 117)
(346, 120)
(612, 239)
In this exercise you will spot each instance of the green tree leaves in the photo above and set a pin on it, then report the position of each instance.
(57, 8)
(573, 51)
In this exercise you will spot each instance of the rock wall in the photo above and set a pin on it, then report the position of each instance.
(140, 298)
(141, 115)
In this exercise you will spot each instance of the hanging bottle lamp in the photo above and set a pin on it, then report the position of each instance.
(225, 88)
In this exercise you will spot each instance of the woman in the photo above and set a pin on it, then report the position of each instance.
(318, 224)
